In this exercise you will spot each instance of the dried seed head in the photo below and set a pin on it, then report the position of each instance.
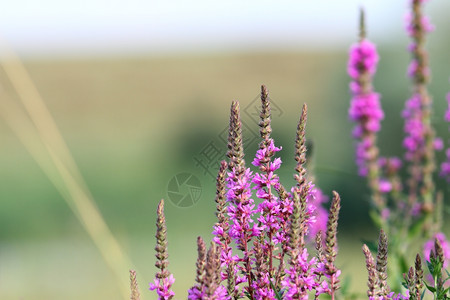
(382, 258)
(201, 261)
(372, 283)
(418, 277)
(135, 295)
(264, 124)
(439, 251)
(162, 254)
(331, 234)
(221, 208)
(300, 148)
(235, 144)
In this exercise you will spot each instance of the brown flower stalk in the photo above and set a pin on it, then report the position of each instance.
(372, 282)
(235, 144)
(135, 295)
(381, 266)
(331, 243)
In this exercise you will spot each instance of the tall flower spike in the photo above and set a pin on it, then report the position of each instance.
(445, 166)
(164, 279)
(410, 282)
(420, 135)
(365, 110)
(418, 285)
(201, 260)
(372, 282)
(382, 259)
(235, 144)
(211, 271)
(222, 226)
(300, 148)
(135, 295)
(264, 125)
(331, 271)
(296, 239)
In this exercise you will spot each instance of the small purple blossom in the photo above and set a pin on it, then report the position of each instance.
(263, 155)
(241, 207)
(445, 244)
(316, 199)
(447, 112)
(411, 28)
(199, 294)
(162, 287)
(363, 57)
(385, 186)
(399, 296)
(300, 277)
(414, 142)
(366, 110)
(445, 166)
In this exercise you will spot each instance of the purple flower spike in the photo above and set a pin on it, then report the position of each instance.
(241, 208)
(365, 108)
(447, 112)
(363, 57)
(414, 127)
(445, 244)
(445, 166)
(411, 28)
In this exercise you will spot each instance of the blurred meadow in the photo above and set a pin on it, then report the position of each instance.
(132, 122)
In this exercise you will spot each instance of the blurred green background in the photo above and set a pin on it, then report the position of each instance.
(134, 122)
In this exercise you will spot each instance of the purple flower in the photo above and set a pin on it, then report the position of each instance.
(399, 296)
(411, 28)
(445, 166)
(365, 108)
(414, 128)
(429, 245)
(263, 155)
(162, 287)
(300, 277)
(384, 186)
(363, 57)
(241, 207)
(199, 294)
(316, 199)
(438, 144)
(447, 112)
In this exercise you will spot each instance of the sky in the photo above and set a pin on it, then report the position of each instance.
(80, 27)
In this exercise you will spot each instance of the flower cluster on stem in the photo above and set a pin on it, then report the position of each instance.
(365, 110)
(164, 279)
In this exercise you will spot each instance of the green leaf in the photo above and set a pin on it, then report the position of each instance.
(277, 294)
(248, 295)
(430, 267)
(430, 288)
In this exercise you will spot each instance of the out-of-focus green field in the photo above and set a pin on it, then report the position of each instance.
(134, 123)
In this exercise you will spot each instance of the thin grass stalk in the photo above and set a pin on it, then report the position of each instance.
(76, 192)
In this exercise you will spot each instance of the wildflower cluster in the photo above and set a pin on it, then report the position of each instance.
(259, 248)
(261, 245)
(411, 209)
